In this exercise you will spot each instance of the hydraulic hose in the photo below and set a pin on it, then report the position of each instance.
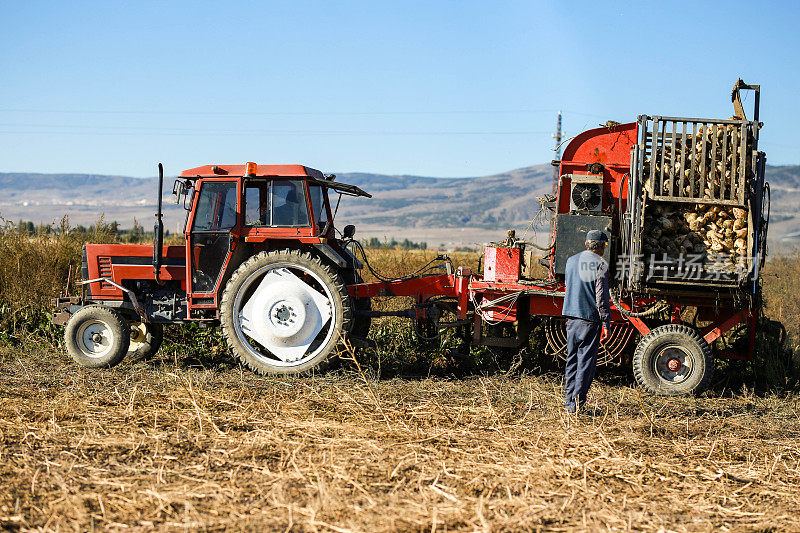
(387, 279)
(647, 313)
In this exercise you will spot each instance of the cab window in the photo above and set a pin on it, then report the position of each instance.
(275, 203)
(318, 205)
(289, 203)
(257, 204)
(216, 206)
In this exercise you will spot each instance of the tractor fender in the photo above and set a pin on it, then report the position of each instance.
(352, 259)
(328, 251)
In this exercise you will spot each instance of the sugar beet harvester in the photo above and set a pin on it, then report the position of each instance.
(682, 199)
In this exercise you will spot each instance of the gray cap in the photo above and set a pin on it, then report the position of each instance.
(596, 235)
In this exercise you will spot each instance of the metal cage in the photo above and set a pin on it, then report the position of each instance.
(693, 161)
(698, 160)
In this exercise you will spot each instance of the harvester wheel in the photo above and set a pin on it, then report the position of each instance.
(284, 312)
(97, 337)
(146, 339)
(673, 360)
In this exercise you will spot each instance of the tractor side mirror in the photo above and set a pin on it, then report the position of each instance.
(349, 231)
(180, 190)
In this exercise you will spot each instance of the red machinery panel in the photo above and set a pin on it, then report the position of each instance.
(500, 264)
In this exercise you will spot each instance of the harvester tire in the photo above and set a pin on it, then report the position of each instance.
(146, 339)
(97, 337)
(320, 277)
(673, 360)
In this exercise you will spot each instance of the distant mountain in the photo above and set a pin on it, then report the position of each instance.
(438, 210)
(43, 194)
(491, 202)
(784, 226)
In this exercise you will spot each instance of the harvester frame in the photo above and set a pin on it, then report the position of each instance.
(287, 290)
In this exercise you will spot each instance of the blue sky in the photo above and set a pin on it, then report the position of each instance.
(430, 88)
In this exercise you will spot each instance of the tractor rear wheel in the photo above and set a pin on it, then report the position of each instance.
(146, 339)
(97, 337)
(673, 360)
(361, 321)
(285, 312)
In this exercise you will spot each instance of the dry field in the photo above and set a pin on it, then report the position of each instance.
(164, 446)
(190, 441)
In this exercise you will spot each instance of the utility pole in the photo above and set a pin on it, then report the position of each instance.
(557, 136)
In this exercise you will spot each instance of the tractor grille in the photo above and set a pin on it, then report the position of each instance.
(104, 267)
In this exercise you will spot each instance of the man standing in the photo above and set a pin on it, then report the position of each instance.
(587, 308)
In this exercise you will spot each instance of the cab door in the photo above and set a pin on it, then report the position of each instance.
(210, 237)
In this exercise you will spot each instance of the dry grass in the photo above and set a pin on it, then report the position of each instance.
(162, 446)
(34, 269)
(191, 441)
(780, 276)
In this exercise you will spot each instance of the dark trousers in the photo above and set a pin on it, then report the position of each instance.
(583, 341)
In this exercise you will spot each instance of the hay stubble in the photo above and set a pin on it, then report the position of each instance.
(165, 447)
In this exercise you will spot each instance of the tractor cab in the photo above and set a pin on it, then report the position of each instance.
(270, 198)
(234, 211)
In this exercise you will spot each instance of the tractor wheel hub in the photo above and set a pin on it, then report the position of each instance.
(95, 338)
(286, 317)
(284, 314)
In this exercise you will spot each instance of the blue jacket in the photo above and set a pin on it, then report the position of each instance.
(586, 284)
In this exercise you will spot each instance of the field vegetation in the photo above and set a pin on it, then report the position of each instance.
(396, 438)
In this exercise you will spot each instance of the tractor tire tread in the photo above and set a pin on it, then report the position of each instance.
(361, 323)
(114, 321)
(337, 284)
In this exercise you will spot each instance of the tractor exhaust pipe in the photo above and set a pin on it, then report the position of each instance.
(158, 230)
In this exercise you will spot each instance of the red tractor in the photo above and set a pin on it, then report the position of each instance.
(261, 258)
(683, 199)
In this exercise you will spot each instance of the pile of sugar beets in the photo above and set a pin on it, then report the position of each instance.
(674, 228)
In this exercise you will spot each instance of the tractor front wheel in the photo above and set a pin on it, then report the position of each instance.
(97, 337)
(146, 339)
(673, 360)
(285, 312)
